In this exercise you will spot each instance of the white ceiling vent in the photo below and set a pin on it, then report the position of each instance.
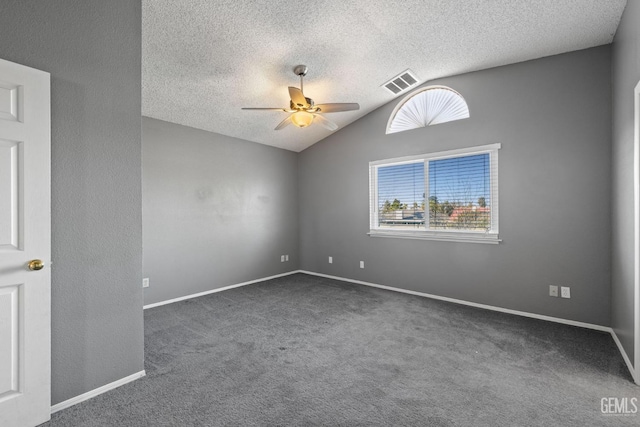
(401, 82)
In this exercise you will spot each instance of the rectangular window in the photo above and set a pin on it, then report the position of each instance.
(450, 195)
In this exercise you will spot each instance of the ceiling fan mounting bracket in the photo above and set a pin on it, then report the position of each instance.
(300, 70)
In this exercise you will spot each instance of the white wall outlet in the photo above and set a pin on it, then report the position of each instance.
(565, 292)
(286, 257)
(330, 260)
(281, 258)
(553, 291)
(145, 282)
(361, 264)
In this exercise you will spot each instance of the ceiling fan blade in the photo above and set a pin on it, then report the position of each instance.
(337, 107)
(325, 122)
(298, 98)
(267, 108)
(286, 122)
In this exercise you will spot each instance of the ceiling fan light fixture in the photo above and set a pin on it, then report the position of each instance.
(302, 119)
(304, 110)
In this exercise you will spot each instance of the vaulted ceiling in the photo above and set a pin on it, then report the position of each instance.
(203, 60)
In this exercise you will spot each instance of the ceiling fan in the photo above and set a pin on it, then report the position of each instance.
(304, 111)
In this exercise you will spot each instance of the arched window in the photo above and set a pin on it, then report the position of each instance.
(427, 106)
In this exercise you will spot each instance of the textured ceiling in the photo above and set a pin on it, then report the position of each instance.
(202, 60)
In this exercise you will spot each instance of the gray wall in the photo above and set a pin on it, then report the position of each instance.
(553, 118)
(217, 210)
(92, 50)
(626, 74)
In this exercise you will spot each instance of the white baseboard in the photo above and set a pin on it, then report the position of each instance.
(634, 374)
(95, 392)
(625, 357)
(88, 395)
(426, 295)
(212, 291)
(472, 304)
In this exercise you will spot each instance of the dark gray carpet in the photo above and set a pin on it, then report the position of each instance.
(304, 351)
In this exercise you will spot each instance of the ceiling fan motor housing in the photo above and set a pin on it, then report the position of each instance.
(297, 107)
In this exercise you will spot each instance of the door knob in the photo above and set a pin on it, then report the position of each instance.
(36, 264)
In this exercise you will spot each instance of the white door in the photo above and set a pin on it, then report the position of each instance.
(25, 237)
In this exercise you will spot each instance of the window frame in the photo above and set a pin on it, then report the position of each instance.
(491, 236)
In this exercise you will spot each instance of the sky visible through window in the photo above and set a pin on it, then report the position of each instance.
(462, 180)
(403, 182)
(459, 180)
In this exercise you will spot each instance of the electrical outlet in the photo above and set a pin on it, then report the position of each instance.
(553, 291)
(145, 282)
(281, 258)
(361, 264)
(565, 292)
(330, 260)
(286, 257)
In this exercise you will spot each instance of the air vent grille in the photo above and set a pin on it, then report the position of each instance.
(401, 82)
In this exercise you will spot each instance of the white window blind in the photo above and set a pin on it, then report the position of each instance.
(450, 195)
(460, 193)
(401, 195)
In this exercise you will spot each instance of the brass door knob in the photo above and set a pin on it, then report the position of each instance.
(36, 264)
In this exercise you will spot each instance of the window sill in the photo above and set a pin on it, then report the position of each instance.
(461, 237)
